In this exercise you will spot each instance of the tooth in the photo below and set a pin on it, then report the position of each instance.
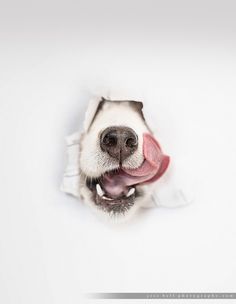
(99, 190)
(107, 198)
(131, 191)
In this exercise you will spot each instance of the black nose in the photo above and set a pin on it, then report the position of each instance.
(119, 142)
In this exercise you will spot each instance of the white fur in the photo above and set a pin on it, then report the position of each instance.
(93, 162)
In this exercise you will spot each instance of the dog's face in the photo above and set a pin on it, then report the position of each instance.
(111, 145)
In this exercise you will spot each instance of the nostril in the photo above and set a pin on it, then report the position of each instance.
(110, 140)
(131, 142)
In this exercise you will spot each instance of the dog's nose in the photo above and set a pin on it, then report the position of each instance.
(119, 142)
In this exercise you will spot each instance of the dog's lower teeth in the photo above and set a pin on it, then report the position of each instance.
(131, 192)
(100, 192)
(107, 198)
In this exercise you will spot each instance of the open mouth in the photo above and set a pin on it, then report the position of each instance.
(109, 201)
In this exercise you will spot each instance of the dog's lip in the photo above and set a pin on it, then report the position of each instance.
(115, 205)
(115, 201)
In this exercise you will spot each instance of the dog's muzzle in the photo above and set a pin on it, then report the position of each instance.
(119, 142)
(116, 190)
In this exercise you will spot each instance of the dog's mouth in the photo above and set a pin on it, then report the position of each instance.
(110, 197)
(115, 191)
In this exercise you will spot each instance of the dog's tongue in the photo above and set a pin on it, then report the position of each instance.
(153, 167)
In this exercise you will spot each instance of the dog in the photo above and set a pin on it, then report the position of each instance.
(120, 160)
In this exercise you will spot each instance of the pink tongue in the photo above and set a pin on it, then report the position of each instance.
(154, 165)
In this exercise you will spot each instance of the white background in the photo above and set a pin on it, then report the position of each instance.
(179, 57)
